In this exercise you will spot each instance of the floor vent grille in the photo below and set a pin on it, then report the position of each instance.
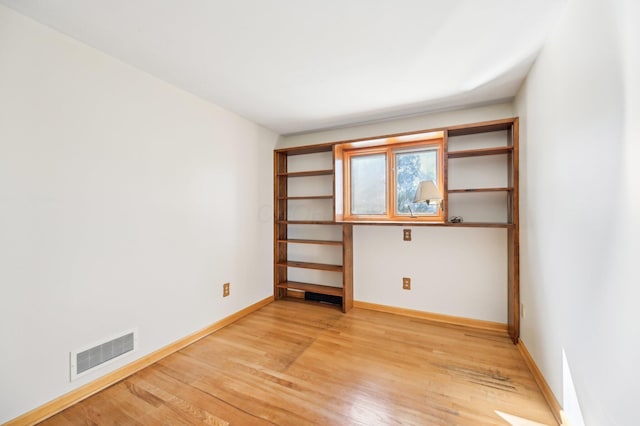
(88, 359)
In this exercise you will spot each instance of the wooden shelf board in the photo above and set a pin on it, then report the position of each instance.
(308, 197)
(487, 126)
(479, 152)
(310, 265)
(319, 242)
(308, 149)
(308, 173)
(307, 222)
(314, 288)
(465, 190)
(480, 225)
(463, 224)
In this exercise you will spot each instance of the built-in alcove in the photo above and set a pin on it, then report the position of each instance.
(315, 253)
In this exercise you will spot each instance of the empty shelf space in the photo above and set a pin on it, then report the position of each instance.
(314, 288)
(310, 265)
(459, 191)
(319, 242)
(307, 173)
(478, 152)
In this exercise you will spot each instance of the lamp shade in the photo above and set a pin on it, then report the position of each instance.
(427, 191)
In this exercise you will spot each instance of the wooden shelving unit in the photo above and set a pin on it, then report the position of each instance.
(497, 139)
(285, 254)
(477, 151)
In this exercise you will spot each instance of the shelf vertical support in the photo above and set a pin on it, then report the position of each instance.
(513, 236)
(347, 267)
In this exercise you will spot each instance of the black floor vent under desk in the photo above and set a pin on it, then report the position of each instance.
(325, 298)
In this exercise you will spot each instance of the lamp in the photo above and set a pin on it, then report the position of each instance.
(427, 192)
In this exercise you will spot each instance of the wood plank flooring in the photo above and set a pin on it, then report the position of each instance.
(297, 363)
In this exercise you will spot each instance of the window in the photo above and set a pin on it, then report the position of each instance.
(376, 180)
(368, 184)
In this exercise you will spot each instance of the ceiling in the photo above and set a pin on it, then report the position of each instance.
(301, 65)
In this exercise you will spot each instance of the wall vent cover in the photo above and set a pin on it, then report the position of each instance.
(90, 358)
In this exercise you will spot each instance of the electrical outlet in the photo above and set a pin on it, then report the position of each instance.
(406, 283)
(225, 289)
(406, 234)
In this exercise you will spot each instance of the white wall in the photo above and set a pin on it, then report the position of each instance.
(580, 205)
(124, 202)
(453, 271)
(461, 272)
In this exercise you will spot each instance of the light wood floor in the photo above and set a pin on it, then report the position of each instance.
(294, 363)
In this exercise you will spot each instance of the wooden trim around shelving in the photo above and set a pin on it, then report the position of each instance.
(57, 405)
(436, 318)
(554, 405)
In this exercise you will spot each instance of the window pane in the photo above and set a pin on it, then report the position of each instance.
(412, 167)
(368, 184)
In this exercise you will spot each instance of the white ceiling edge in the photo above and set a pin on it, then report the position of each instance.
(389, 118)
(294, 66)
